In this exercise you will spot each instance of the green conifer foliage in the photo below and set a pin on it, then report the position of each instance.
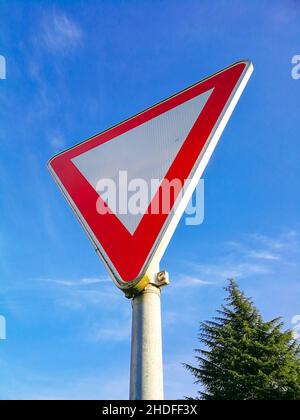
(244, 358)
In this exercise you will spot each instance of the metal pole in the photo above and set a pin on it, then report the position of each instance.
(146, 370)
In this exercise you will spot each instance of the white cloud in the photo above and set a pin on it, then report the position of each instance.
(256, 255)
(264, 255)
(114, 331)
(286, 241)
(223, 269)
(60, 33)
(77, 282)
(83, 293)
(57, 142)
(85, 299)
(188, 281)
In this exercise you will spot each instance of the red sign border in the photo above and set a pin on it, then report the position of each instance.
(127, 256)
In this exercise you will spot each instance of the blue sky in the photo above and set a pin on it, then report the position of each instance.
(76, 68)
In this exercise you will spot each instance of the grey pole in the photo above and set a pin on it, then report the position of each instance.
(146, 369)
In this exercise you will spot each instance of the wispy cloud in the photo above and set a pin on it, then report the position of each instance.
(256, 254)
(95, 292)
(60, 33)
(190, 281)
(57, 142)
(83, 293)
(264, 255)
(114, 331)
(286, 241)
(229, 269)
(77, 282)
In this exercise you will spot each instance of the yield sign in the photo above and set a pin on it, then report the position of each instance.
(115, 182)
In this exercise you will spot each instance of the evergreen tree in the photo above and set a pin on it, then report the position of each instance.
(245, 358)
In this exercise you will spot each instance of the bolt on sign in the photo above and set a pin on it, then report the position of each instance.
(162, 152)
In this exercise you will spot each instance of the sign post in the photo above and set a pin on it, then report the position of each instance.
(129, 186)
(146, 364)
(146, 367)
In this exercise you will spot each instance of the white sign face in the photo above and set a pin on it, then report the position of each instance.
(145, 152)
(168, 144)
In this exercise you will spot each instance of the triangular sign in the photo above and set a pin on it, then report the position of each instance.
(115, 182)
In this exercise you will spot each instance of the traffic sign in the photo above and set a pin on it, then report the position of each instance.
(121, 183)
